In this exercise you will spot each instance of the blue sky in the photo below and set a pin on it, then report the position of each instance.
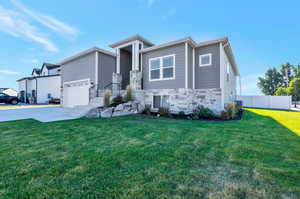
(262, 33)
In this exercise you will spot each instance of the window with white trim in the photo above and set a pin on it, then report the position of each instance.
(162, 68)
(160, 101)
(205, 60)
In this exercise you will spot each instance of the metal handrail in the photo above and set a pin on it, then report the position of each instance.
(110, 87)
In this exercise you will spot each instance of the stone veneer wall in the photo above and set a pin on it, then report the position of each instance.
(180, 99)
(183, 99)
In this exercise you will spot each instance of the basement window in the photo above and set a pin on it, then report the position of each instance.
(160, 101)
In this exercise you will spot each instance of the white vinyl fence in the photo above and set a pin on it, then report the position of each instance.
(272, 102)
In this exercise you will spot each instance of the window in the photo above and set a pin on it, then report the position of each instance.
(205, 60)
(227, 70)
(161, 101)
(156, 101)
(162, 68)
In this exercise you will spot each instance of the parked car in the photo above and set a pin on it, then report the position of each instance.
(54, 101)
(4, 98)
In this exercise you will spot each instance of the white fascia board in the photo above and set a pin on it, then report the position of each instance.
(172, 43)
(85, 52)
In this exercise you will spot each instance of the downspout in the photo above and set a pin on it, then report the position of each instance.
(25, 91)
(36, 90)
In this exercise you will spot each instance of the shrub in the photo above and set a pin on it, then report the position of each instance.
(128, 96)
(117, 100)
(106, 99)
(163, 111)
(181, 114)
(147, 109)
(224, 115)
(232, 110)
(195, 114)
(204, 112)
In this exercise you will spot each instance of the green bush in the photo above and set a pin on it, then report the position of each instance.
(117, 100)
(181, 114)
(147, 109)
(106, 99)
(128, 96)
(163, 111)
(203, 112)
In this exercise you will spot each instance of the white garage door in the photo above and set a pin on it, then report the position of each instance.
(76, 93)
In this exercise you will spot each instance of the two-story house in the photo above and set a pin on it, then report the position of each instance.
(43, 84)
(180, 74)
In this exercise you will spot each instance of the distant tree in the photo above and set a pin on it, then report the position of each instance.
(294, 89)
(281, 91)
(270, 82)
(287, 73)
(297, 71)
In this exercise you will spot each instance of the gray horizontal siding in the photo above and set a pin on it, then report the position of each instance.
(179, 81)
(208, 76)
(80, 68)
(107, 66)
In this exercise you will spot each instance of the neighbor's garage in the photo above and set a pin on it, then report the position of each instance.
(76, 93)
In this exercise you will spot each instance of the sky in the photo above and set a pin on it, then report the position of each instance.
(262, 34)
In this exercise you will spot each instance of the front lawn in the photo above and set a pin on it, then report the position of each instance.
(147, 157)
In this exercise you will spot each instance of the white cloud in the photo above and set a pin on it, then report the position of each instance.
(46, 20)
(8, 72)
(18, 25)
(249, 84)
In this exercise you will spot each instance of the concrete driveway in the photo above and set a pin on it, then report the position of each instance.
(42, 114)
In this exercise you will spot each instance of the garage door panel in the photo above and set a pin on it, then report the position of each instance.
(76, 93)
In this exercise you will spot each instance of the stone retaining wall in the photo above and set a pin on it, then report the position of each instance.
(182, 99)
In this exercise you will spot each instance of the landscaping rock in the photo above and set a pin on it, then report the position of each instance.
(119, 107)
(107, 113)
(93, 113)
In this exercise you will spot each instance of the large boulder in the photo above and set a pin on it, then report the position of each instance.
(93, 113)
(107, 113)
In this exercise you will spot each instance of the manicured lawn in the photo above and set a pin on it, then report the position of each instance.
(145, 157)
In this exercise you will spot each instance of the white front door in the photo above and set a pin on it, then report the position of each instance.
(76, 93)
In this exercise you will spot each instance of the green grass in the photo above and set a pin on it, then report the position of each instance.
(144, 157)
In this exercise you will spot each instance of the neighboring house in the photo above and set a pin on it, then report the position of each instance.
(43, 85)
(9, 91)
(181, 74)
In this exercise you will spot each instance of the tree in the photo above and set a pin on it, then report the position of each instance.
(287, 73)
(297, 71)
(294, 89)
(281, 91)
(270, 82)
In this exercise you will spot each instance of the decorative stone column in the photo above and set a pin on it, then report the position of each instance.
(116, 81)
(136, 80)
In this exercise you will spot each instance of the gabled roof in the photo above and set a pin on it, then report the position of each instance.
(129, 39)
(85, 52)
(50, 66)
(36, 70)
